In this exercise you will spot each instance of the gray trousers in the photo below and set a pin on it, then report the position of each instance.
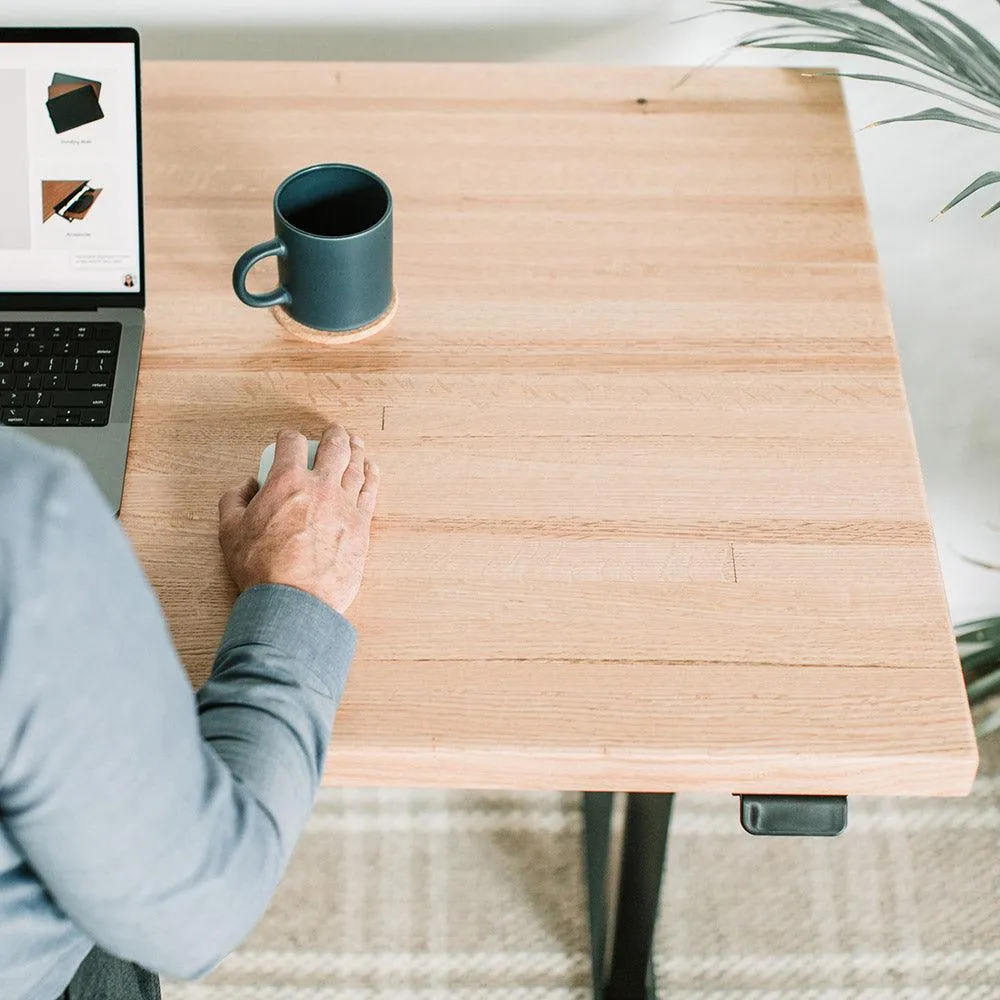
(103, 977)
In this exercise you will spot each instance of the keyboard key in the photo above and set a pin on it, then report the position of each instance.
(95, 383)
(81, 399)
(57, 373)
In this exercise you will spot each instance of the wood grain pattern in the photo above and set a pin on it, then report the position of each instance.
(651, 513)
(53, 192)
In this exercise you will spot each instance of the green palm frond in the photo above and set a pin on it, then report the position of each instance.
(990, 177)
(939, 115)
(978, 632)
(957, 62)
(979, 651)
(915, 85)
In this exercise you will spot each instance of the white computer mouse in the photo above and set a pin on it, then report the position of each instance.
(267, 460)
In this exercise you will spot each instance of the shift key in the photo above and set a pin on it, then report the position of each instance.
(77, 400)
(91, 383)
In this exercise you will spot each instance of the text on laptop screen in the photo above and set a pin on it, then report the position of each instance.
(69, 221)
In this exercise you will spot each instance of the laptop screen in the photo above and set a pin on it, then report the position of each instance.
(69, 173)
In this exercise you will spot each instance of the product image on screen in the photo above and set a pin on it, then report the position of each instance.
(70, 157)
(69, 200)
(73, 102)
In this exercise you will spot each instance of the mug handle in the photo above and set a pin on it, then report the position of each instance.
(242, 269)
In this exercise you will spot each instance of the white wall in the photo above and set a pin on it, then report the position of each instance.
(943, 280)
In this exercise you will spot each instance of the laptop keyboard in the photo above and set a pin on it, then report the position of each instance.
(57, 374)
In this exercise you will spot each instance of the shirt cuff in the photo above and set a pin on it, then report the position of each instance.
(298, 624)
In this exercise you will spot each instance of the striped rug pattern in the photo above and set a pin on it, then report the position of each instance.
(427, 895)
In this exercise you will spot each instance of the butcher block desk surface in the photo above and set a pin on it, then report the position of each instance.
(651, 514)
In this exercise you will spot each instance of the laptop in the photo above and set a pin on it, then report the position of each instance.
(72, 277)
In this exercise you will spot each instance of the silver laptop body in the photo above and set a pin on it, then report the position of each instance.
(90, 270)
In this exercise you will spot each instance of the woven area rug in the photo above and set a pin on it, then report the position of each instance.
(458, 894)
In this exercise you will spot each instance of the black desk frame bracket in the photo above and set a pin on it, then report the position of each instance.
(793, 815)
(628, 926)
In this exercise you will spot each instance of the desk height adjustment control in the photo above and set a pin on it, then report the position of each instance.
(794, 815)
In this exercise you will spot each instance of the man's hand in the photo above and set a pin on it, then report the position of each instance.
(306, 529)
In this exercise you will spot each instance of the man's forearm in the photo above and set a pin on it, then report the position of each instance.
(268, 707)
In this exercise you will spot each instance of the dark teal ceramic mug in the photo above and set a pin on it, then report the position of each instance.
(333, 241)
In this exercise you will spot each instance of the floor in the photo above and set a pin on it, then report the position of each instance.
(419, 894)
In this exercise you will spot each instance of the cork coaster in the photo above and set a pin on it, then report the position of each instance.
(335, 337)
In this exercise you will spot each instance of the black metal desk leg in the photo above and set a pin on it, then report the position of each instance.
(629, 975)
(644, 852)
(596, 845)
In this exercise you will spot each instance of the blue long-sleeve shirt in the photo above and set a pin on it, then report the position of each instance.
(134, 813)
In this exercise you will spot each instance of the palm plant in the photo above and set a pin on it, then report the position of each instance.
(979, 651)
(949, 58)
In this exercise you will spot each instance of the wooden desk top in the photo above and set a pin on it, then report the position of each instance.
(651, 514)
